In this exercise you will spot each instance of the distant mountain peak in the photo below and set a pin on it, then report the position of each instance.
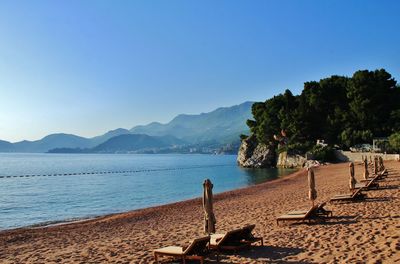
(57, 135)
(118, 131)
(155, 123)
(203, 127)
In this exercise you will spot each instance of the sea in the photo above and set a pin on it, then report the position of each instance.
(43, 189)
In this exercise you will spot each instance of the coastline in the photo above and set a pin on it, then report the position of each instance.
(228, 176)
(130, 237)
(89, 219)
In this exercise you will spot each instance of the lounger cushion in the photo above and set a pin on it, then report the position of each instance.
(297, 212)
(288, 216)
(342, 197)
(360, 185)
(170, 250)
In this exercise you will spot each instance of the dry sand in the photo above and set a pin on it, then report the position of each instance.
(361, 232)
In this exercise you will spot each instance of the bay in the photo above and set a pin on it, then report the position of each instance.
(36, 189)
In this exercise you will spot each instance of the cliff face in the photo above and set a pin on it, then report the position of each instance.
(256, 155)
(286, 160)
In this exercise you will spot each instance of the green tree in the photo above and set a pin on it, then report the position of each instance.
(371, 96)
(338, 109)
(394, 141)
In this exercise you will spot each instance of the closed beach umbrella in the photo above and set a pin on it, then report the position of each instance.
(381, 166)
(312, 192)
(375, 165)
(209, 218)
(353, 181)
(378, 159)
(366, 173)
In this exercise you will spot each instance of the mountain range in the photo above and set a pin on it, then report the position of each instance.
(218, 127)
(222, 125)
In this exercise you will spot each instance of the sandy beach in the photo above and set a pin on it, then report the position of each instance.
(360, 232)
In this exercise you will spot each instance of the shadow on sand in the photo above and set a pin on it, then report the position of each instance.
(341, 220)
(366, 200)
(376, 199)
(263, 254)
(392, 176)
(332, 220)
(382, 217)
(271, 253)
(388, 187)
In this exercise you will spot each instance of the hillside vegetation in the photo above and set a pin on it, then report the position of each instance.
(341, 110)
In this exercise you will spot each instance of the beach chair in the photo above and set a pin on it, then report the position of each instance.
(196, 250)
(356, 195)
(302, 216)
(232, 240)
(380, 176)
(319, 211)
(371, 184)
(229, 241)
(249, 237)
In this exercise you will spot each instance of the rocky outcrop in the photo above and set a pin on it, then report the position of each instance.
(256, 155)
(287, 160)
(253, 154)
(312, 163)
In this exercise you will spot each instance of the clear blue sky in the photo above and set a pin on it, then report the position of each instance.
(85, 67)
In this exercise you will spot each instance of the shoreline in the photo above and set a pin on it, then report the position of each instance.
(130, 237)
(218, 196)
(94, 216)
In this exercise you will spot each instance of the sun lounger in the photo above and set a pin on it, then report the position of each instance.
(249, 237)
(372, 184)
(232, 240)
(319, 210)
(196, 250)
(380, 176)
(357, 194)
(367, 185)
(300, 215)
(240, 237)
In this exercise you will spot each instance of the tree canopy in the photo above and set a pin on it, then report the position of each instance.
(341, 110)
(394, 141)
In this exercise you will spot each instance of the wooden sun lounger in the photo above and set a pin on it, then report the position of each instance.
(229, 241)
(300, 215)
(319, 210)
(380, 176)
(348, 197)
(372, 183)
(249, 237)
(235, 239)
(197, 249)
(232, 240)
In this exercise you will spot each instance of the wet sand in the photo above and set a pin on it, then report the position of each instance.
(366, 231)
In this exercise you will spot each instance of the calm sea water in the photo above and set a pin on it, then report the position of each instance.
(46, 188)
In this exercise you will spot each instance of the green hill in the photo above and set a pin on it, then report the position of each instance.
(222, 125)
